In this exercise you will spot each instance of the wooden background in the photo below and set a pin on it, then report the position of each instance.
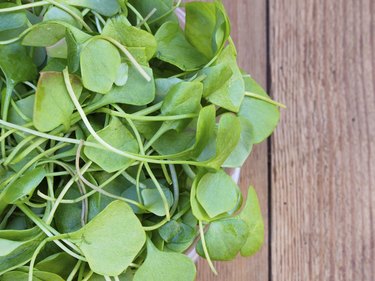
(315, 176)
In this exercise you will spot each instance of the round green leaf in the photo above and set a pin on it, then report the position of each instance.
(224, 239)
(100, 61)
(163, 266)
(217, 193)
(112, 240)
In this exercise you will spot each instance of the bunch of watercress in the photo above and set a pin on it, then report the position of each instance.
(117, 120)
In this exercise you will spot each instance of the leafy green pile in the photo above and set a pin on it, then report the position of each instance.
(117, 120)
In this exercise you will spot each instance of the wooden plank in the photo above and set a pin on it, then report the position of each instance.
(323, 161)
(249, 33)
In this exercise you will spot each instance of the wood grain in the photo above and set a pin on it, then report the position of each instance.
(249, 33)
(323, 154)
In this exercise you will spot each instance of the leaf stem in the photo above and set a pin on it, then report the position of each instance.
(70, 12)
(4, 112)
(266, 99)
(23, 7)
(139, 16)
(129, 55)
(158, 118)
(205, 250)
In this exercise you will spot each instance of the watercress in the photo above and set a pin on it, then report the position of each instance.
(117, 121)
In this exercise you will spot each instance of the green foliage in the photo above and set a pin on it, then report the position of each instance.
(117, 121)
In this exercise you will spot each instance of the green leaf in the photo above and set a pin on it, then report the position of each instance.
(106, 8)
(162, 266)
(135, 91)
(243, 149)
(177, 235)
(16, 64)
(205, 146)
(117, 135)
(224, 239)
(207, 26)
(173, 142)
(153, 201)
(17, 247)
(68, 216)
(122, 75)
(74, 51)
(11, 20)
(60, 264)
(53, 106)
(163, 13)
(100, 61)
(37, 276)
(57, 14)
(228, 136)
(197, 209)
(44, 35)
(175, 49)
(252, 215)
(48, 33)
(163, 85)
(112, 240)
(22, 187)
(183, 98)
(262, 115)
(119, 29)
(225, 190)
(98, 202)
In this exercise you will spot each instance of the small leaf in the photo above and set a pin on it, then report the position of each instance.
(119, 29)
(22, 187)
(17, 247)
(207, 26)
(205, 146)
(11, 20)
(53, 105)
(60, 264)
(183, 98)
(122, 75)
(227, 92)
(228, 136)
(57, 14)
(117, 135)
(106, 8)
(68, 216)
(112, 240)
(135, 91)
(162, 266)
(225, 192)
(100, 61)
(44, 35)
(16, 64)
(243, 149)
(252, 215)
(224, 239)
(177, 235)
(153, 201)
(262, 115)
(175, 49)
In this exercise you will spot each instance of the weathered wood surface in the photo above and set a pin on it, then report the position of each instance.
(250, 34)
(323, 153)
(322, 208)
